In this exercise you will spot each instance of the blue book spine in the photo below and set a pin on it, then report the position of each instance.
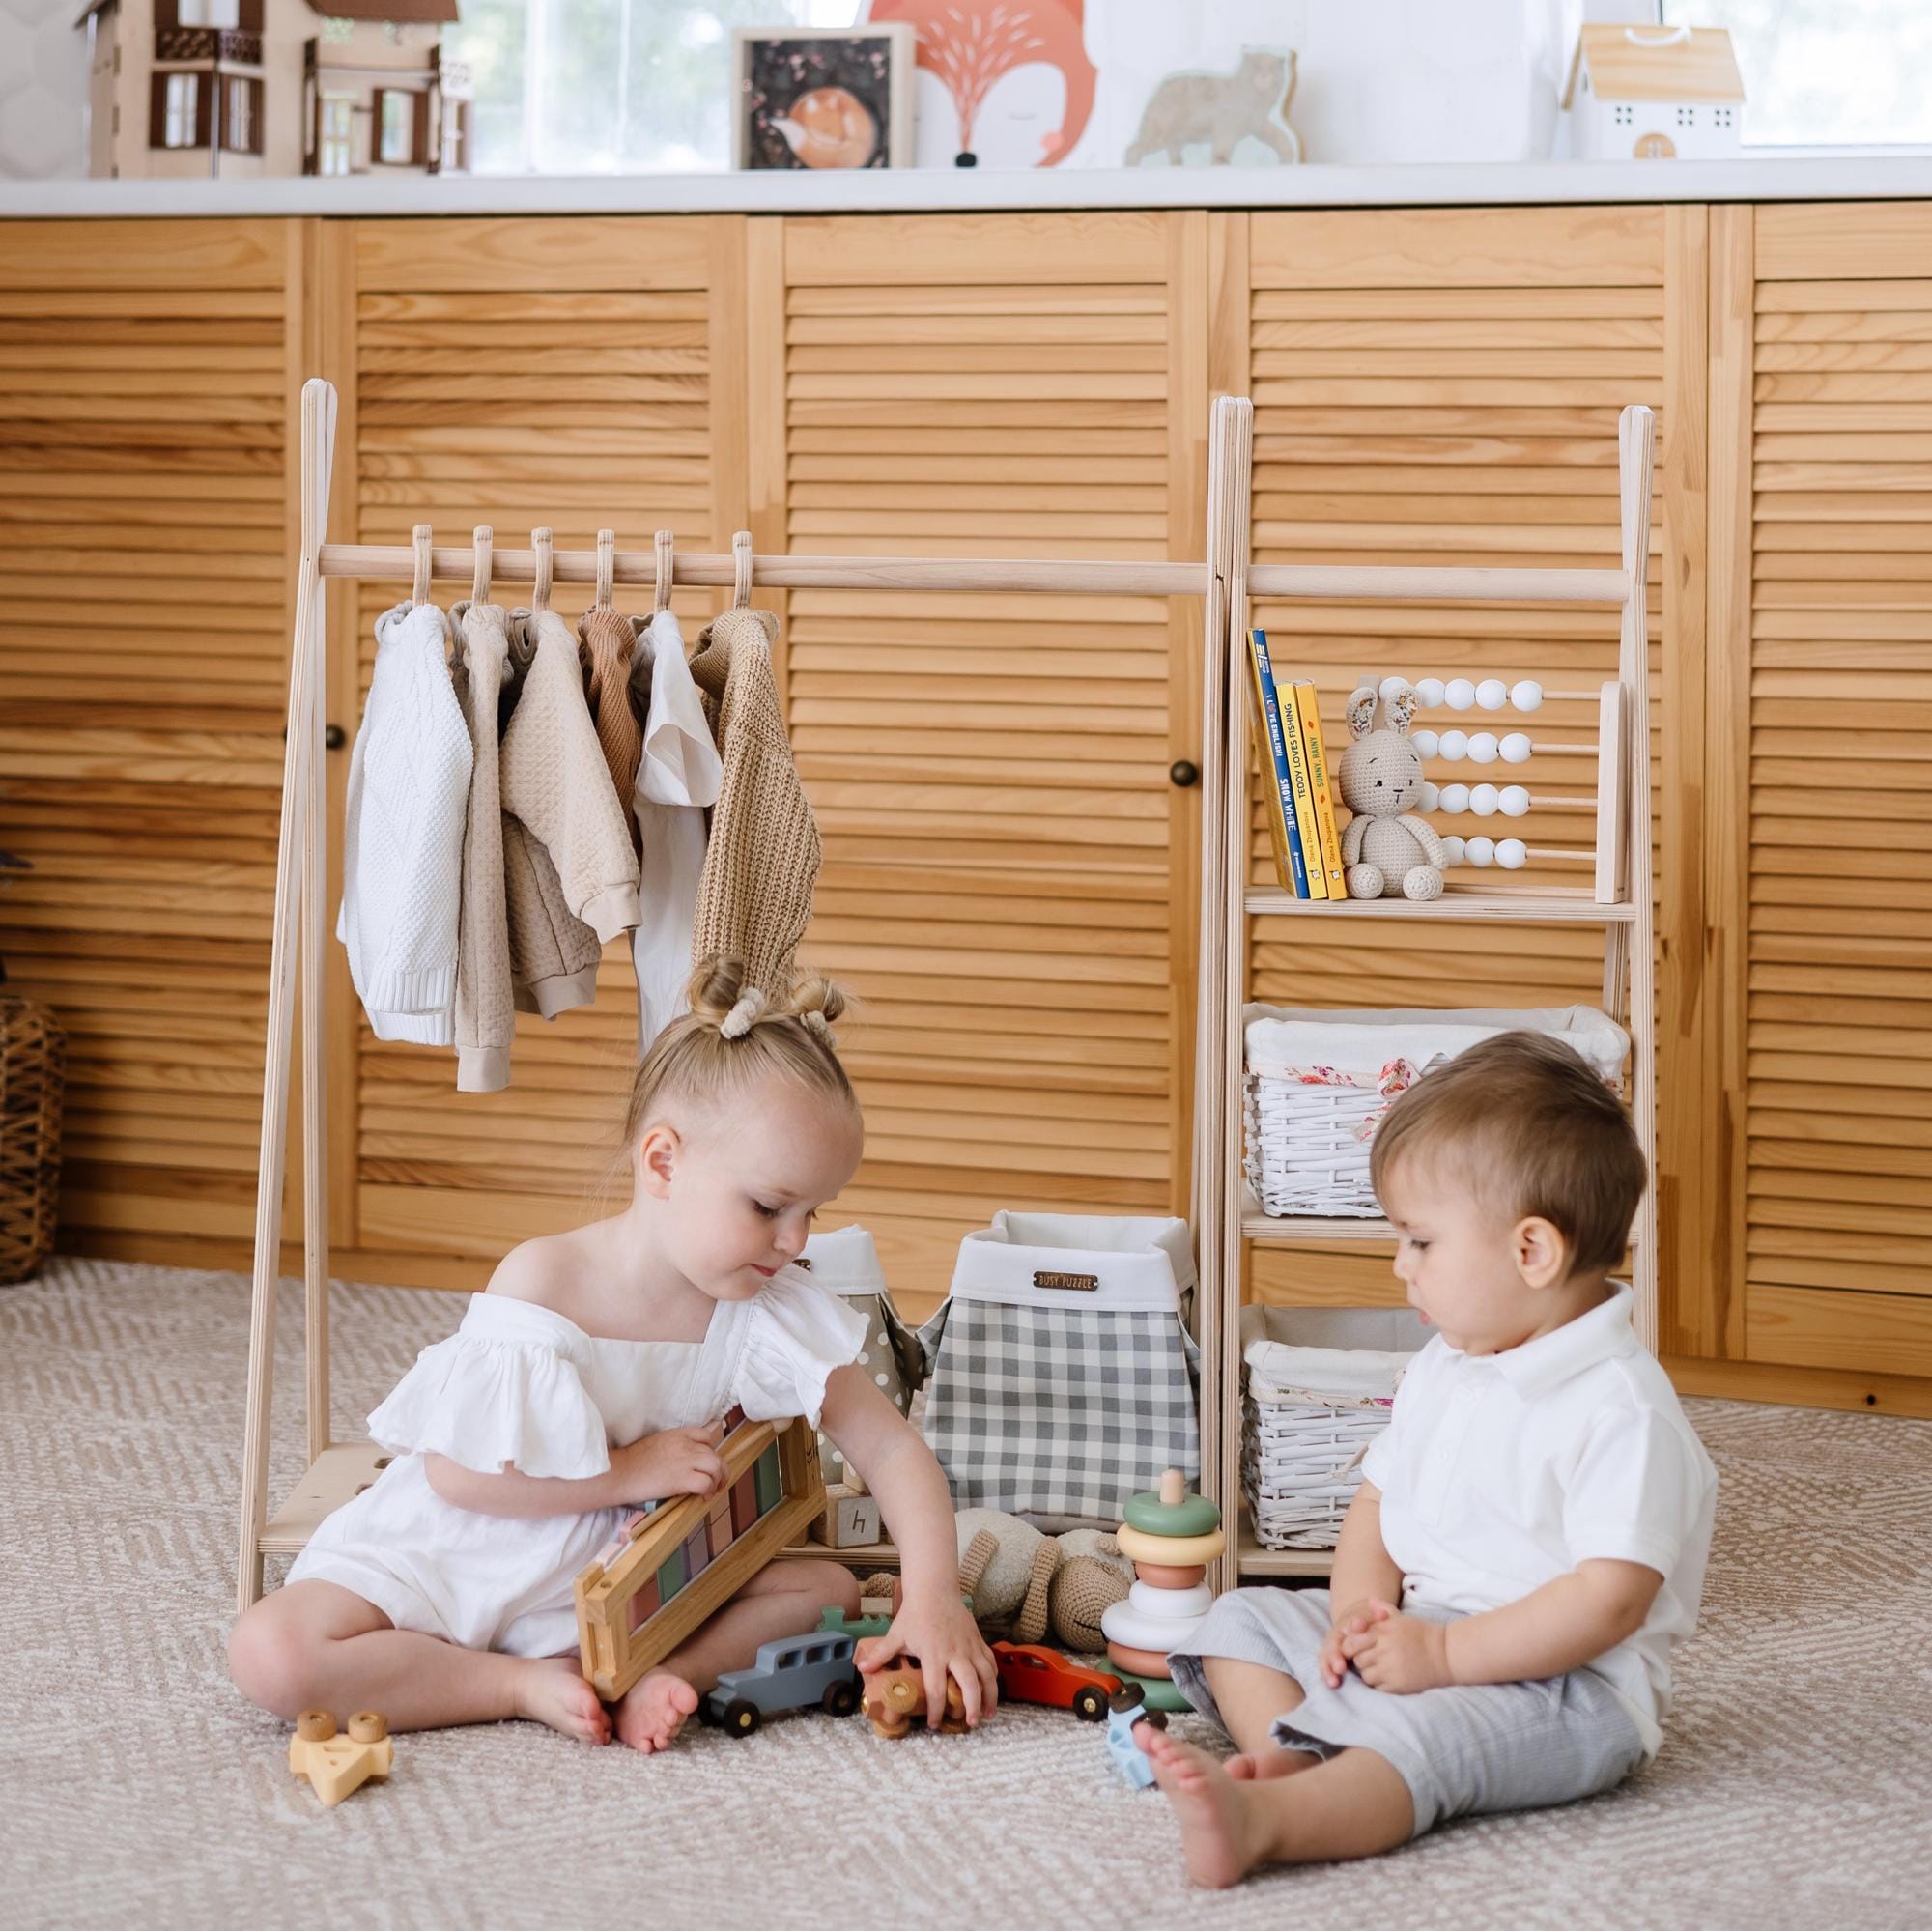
(1278, 746)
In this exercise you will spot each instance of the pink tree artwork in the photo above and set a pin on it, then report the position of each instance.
(1016, 74)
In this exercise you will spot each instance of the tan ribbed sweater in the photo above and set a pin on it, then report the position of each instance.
(485, 1020)
(604, 639)
(761, 864)
(557, 788)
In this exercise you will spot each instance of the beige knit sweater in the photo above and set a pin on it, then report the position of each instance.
(754, 899)
(557, 788)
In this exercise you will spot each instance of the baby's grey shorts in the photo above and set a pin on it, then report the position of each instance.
(1463, 1748)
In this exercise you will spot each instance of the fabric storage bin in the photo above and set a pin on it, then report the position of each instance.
(1318, 1080)
(1317, 1385)
(844, 1261)
(1061, 1370)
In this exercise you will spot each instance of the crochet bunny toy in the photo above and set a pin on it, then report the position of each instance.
(1389, 851)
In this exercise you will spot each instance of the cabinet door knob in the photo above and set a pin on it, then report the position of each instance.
(1184, 772)
(333, 737)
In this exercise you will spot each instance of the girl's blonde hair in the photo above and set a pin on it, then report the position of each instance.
(733, 1038)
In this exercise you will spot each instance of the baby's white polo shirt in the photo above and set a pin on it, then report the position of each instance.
(1499, 1472)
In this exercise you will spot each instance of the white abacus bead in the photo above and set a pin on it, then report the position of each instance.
(1481, 851)
(1483, 748)
(1492, 693)
(1527, 695)
(1429, 692)
(1512, 854)
(1430, 796)
(1454, 746)
(1515, 747)
(1482, 801)
(1392, 687)
(1454, 850)
(1459, 694)
(1425, 742)
(1514, 800)
(1454, 798)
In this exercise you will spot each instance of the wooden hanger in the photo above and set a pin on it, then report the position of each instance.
(540, 593)
(666, 545)
(481, 538)
(741, 569)
(606, 567)
(419, 585)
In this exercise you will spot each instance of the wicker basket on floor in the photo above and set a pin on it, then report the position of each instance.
(33, 1059)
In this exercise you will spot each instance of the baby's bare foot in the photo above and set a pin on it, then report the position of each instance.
(1216, 1838)
(653, 1711)
(551, 1690)
(1263, 1766)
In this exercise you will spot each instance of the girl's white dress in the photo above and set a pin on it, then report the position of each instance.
(521, 1385)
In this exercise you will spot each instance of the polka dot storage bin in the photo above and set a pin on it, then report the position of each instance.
(845, 1263)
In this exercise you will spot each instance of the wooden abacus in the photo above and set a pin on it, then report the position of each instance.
(671, 1568)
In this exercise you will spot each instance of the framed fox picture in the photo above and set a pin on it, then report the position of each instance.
(823, 97)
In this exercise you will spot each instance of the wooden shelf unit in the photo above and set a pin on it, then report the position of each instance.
(1227, 1215)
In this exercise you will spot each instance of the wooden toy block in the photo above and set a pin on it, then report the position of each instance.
(644, 1603)
(766, 1470)
(336, 1764)
(697, 1550)
(744, 1502)
(846, 1520)
(616, 1647)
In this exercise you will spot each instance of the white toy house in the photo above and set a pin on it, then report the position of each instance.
(1651, 93)
(234, 88)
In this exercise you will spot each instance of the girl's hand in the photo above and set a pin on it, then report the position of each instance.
(946, 1641)
(675, 1461)
(1397, 1653)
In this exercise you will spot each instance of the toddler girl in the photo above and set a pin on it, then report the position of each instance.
(592, 1376)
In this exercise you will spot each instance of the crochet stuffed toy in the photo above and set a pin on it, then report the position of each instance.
(1389, 851)
(1024, 1583)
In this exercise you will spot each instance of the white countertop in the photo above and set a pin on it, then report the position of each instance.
(1801, 178)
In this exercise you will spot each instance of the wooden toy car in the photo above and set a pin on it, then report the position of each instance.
(1029, 1673)
(896, 1695)
(790, 1673)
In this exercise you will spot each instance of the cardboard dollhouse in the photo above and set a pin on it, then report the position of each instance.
(1652, 94)
(236, 88)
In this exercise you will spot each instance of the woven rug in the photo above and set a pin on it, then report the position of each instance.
(137, 1788)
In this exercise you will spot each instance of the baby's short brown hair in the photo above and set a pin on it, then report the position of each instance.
(1534, 1131)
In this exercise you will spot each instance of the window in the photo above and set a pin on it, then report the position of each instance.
(241, 115)
(183, 97)
(207, 12)
(1825, 72)
(396, 133)
(335, 122)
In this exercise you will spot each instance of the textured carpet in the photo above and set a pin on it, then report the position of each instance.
(137, 1787)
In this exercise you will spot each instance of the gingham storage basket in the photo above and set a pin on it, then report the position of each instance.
(1062, 1374)
(1319, 1079)
(1317, 1385)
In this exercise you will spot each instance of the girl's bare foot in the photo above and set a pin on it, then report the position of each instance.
(1218, 1841)
(653, 1711)
(1263, 1766)
(551, 1690)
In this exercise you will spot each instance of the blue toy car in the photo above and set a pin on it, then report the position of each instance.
(1126, 1707)
(791, 1674)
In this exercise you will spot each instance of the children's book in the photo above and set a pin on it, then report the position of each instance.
(1327, 840)
(1303, 793)
(1276, 785)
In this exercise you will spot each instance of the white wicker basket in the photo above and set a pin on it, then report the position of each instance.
(1317, 1385)
(1318, 1080)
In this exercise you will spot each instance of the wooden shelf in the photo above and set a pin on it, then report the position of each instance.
(1255, 1560)
(1529, 905)
(872, 1555)
(1291, 1230)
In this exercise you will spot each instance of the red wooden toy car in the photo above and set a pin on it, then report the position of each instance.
(1031, 1674)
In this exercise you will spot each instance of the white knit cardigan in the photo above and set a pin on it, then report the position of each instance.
(402, 852)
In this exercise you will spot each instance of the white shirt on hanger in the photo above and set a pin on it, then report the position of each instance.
(677, 779)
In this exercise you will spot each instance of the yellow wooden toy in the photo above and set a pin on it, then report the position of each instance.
(336, 1765)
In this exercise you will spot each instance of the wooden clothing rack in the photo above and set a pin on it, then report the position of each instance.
(1223, 579)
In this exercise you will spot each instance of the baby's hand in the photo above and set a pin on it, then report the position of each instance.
(942, 1633)
(675, 1461)
(1397, 1653)
(1333, 1656)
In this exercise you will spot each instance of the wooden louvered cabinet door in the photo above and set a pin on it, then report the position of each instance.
(1822, 406)
(144, 616)
(1007, 870)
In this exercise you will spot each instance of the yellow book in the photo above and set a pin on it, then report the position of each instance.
(1308, 714)
(1303, 793)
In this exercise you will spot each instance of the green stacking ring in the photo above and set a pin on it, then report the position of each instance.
(1193, 1515)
